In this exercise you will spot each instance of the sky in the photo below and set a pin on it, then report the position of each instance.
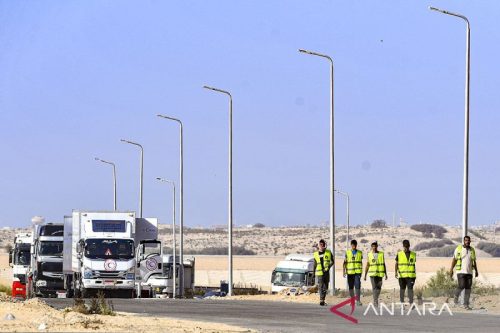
(78, 76)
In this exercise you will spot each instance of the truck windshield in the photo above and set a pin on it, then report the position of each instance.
(51, 248)
(22, 255)
(290, 279)
(109, 248)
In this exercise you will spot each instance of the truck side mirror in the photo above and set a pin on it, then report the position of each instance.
(10, 258)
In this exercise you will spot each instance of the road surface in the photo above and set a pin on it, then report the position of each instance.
(300, 317)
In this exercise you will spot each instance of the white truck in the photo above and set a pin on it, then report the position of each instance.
(100, 251)
(19, 260)
(297, 271)
(45, 276)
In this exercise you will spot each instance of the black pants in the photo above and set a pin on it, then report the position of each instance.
(354, 281)
(403, 284)
(464, 282)
(323, 281)
(376, 287)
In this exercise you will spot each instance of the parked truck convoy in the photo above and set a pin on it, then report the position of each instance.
(45, 275)
(297, 270)
(19, 260)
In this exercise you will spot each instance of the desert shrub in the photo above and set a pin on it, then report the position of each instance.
(79, 306)
(497, 229)
(476, 234)
(491, 248)
(5, 289)
(427, 235)
(204, 231)
(258, 225)
(426, 228)
(341, 238)
(440, 284)
(361, 234)
(104, 307)
(377, 224)
(363, 241)
(237, 250)
(446, 251)
(432, 244)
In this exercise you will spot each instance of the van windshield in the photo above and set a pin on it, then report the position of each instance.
(22, 256)
(51, 248)
(289, 279)
(109, 248)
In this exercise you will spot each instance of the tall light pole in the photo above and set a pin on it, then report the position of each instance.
(230, 204)
(141, 175)
(332, 165)
(114, 179)
(181, 200)
(174, 263)
(345, 194)
(465, 202)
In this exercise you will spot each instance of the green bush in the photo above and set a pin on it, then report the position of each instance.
(432, 244)
(440, 284)
(427, 229)
(491, 248)
(476, 234)
(446, 251)
(5, 289)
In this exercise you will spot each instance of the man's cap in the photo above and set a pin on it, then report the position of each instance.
(375, 243)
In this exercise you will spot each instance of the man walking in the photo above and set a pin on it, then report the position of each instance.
(405, 271)
(353, 268)
(464, 260)
(323, 261)
(375, 266)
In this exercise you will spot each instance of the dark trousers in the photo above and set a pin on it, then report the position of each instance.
(464, 282)
(403, 284)
(354, 281)
(376, 288)
(323, 281)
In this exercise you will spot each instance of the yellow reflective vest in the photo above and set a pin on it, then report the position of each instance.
(354, 263)
(458, 256)
(377, 266)
(327, 261)
(406, 266)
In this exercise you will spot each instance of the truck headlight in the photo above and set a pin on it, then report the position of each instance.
(130, 273)
(41, 283)
(87, 273)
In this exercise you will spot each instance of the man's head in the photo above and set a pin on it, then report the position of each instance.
(406, 245)
(374, 246)
(354, 244)
(322, 245)
(466, 241)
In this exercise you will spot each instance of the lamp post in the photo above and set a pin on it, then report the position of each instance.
(141, 175)
(465, 194)
(181, 200)
(114, 179)
(332, 160)
(347, 199)
(230, 194)
(174, 262)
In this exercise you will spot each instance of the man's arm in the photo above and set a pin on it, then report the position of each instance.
(453, 263)
(366, 268)
(474, 265)
(345, 267)
(385, 271)
(396, 268)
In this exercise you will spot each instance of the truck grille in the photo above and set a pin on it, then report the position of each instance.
(110, 275)
(55, 267)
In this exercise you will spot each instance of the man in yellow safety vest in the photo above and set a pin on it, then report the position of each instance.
(353, 268)
(405, 271)
(464, 261)
(323, 261)
(375, 266)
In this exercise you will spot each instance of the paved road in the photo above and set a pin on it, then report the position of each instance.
(297, 317)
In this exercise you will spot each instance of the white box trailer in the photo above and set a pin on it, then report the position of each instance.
(100, 251)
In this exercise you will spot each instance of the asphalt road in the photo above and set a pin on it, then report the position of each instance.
(300, 317)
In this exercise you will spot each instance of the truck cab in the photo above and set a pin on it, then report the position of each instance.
(19, 260)
(296, 271)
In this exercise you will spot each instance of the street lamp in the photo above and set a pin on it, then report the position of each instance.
(181, 199)
(230, 204)
(114, 179)
(174, 263)
(465, 206)
(347, 199)
(141, 175)
(332, 173)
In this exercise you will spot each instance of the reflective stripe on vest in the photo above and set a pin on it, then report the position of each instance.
(377, 267)
(406, 267)
(327, 259)
(458, 256)
(354, 263)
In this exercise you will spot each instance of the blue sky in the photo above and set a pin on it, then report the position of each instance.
(76, 76)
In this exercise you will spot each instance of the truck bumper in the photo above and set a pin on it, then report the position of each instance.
(108, 284)
(18, 290)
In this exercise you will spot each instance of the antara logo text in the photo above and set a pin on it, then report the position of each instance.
(391, 309)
